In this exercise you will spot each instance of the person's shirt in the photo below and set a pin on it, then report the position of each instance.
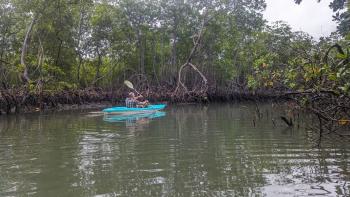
(130, 102)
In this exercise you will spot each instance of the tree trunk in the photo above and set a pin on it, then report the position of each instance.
(25, 75)
(97, 76)
(81, 21)
(162, 69)
(173, 49)
(78, 70)
(154, 60)
(59, 52)
(141, 52)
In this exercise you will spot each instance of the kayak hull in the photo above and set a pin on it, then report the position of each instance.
(130, 111)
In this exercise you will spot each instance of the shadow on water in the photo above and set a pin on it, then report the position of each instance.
(215, 150)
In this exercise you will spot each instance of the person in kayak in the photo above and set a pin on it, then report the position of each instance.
(134, 101)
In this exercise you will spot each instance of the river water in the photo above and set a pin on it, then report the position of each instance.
(189, 150)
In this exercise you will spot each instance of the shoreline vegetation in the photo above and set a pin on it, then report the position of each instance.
(15, 101)
(55, 53)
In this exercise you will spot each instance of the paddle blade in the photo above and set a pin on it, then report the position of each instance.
(129, 84)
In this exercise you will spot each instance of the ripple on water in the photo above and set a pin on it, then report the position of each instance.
(192, 151)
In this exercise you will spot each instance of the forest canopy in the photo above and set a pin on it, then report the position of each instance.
(74, 44)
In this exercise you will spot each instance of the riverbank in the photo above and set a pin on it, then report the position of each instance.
(17, 101)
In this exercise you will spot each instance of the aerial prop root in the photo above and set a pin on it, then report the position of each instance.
(182, 90)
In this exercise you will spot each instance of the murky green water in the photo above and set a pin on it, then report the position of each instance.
(189, 151)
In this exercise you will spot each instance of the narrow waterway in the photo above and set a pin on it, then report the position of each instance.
(188, 150)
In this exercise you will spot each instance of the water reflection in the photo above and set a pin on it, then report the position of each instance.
(192, 151)
(133, 117)
(134, 122)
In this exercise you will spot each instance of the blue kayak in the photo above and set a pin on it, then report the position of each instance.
(134, 110)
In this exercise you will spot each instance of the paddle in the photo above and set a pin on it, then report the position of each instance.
(131, 86)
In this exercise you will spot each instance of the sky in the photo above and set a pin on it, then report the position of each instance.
(310, 16)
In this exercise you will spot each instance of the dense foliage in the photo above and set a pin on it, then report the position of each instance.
(73, 44)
